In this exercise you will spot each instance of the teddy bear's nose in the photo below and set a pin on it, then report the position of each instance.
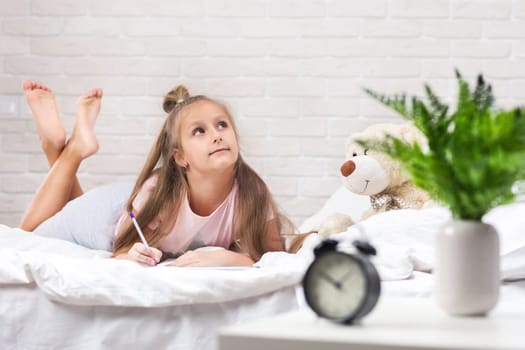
(347, 168)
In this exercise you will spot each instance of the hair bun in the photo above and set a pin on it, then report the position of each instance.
(174, 97)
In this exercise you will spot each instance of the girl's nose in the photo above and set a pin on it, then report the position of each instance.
(217, 138)
(347, 168)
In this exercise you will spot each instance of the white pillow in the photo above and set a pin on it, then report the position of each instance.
(342, 201)
(410, 233)
(90, 219)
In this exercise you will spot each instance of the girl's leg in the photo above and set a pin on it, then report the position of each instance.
(55, 191)
(52, 136)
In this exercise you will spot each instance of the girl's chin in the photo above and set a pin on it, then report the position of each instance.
(223, 165)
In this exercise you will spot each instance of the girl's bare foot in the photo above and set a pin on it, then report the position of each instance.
(42, 103)
(83, 138)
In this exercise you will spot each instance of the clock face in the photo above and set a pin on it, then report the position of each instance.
(335, 285)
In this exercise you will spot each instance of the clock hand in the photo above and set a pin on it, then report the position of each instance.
(329, 278)
(345, 276)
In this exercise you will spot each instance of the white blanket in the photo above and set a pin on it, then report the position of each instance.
(72, 274)
(404, 239)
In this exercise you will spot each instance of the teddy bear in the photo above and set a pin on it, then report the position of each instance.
(374, 174)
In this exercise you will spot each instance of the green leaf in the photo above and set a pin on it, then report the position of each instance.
(475, 155)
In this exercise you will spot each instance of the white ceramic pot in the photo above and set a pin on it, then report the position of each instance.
(467, 272)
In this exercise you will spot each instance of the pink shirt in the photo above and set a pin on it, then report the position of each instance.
(191, 230)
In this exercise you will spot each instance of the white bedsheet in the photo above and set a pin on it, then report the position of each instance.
(75, 275)
(71, 274)
(58, 295)
(29, 320)
(405, 238)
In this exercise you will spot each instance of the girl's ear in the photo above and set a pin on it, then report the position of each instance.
(178, 155)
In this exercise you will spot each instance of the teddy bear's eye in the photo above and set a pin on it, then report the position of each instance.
(354, 154)
(366, 151)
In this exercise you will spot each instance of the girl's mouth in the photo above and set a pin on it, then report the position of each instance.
(219, 150)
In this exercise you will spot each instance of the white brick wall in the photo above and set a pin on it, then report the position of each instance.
(291, 70)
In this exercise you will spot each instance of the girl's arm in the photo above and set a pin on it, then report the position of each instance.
(223, 257)
(141, 254)
(137, 252)
(273, 240)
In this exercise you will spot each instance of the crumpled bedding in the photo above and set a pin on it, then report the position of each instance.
(405, 238)
(71, 274)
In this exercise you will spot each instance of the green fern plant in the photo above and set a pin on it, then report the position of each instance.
(475, 155)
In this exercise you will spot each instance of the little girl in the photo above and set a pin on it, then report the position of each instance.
(195, 189)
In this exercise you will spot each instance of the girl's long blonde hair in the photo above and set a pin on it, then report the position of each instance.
(254, 200)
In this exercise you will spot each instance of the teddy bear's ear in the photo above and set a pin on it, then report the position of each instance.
(352, 140)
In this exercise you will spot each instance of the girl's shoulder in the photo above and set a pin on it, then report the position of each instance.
(145, 191)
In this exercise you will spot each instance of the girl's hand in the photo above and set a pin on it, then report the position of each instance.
(143, 255)
(221, 257)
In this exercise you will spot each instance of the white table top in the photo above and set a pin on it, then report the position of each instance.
(395, 323)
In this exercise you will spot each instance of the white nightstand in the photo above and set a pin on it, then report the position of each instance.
(396, 323)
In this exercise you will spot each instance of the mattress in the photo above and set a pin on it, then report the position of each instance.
(31, 321)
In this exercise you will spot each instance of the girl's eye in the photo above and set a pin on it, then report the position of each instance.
(366, 151)
(222, 125)
(198, 131)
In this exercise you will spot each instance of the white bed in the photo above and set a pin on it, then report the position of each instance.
(58, 295)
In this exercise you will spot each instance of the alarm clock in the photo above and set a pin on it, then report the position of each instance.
(342, 286)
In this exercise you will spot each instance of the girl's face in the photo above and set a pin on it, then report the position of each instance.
(208, 142)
